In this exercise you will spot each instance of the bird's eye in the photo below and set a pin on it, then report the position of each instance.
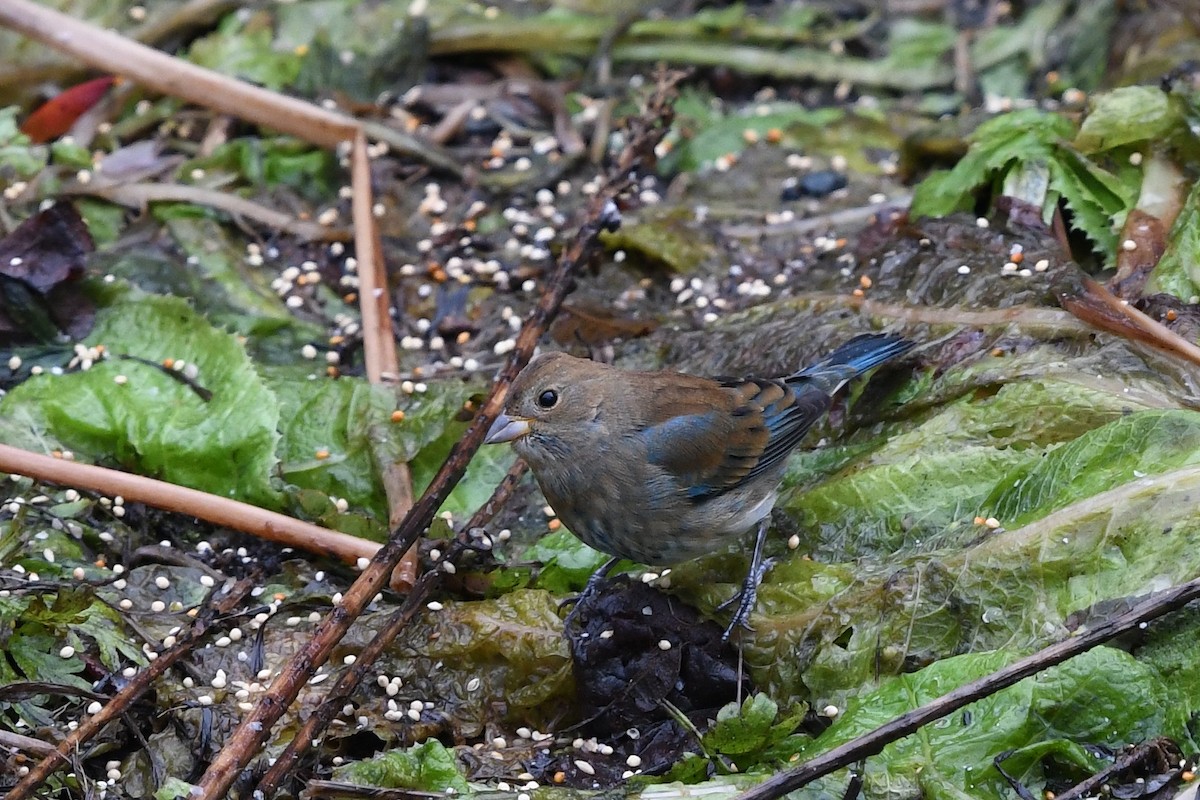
(548, 399)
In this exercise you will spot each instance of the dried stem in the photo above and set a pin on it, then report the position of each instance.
(139, 195)
(191, 502)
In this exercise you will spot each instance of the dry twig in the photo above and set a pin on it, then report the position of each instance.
(192, 502)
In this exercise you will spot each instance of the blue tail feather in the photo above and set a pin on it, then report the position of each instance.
(863, 352)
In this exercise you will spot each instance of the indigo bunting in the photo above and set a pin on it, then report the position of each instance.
(662, 467)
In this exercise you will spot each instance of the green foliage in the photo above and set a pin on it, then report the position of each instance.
(260, 424)
(349, 420)
(37, 626)
(218, 280)
(271, 162)
(430, 430)
(1128, 115)
(67, 153)
(153, 422)
(1178, 271)
(1004, 149)
(748, 732)
(664, 240)
(1104, 696)
(104, 220)
(709, 134)
(567, 563)
(20, 159)
(937, 476)
(173, 788)
(247, 51)
(427, 767)
(1130, 447)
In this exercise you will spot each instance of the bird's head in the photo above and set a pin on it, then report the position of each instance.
(553, 408)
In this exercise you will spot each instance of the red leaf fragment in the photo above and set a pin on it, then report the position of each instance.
(56, 116)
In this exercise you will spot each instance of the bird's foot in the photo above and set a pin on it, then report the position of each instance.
(589, 590)
(745, 599)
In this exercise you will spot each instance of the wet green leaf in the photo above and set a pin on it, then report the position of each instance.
(567, 563)
(1097, 198)
(348, 422)
(67, 153)
(1127, 115)
(1102, 697)
(271, 162)
(173, 788)
(136, 414)
(429, 431)
(746, 732)
(427, 767)
(17, 154)
(217, 279)
(1126, 449)
(668, 240)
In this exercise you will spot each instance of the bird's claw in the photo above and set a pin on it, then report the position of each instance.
(589, 589)
(745, 599)
(576, 603)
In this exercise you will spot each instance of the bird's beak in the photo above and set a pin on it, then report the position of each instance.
(507, 428)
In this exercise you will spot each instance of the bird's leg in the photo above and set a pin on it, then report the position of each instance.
(589, 589)
(749, 594)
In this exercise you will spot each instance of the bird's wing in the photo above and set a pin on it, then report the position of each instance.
(789, 410)
(715, 448)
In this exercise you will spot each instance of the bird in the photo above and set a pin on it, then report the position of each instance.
(662, 467)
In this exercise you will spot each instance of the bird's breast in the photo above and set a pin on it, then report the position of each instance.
(648, 517)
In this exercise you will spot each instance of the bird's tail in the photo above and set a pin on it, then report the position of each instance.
(854, 358)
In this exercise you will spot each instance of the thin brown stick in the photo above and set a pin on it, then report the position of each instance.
(1093, 303)
(221, 601)
(25, 744)
(873, 743)
(602, 213)
(111, 52)
(379, 344)
(1157, 751)
(209, 507)
(379, 341)
(139, 195)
